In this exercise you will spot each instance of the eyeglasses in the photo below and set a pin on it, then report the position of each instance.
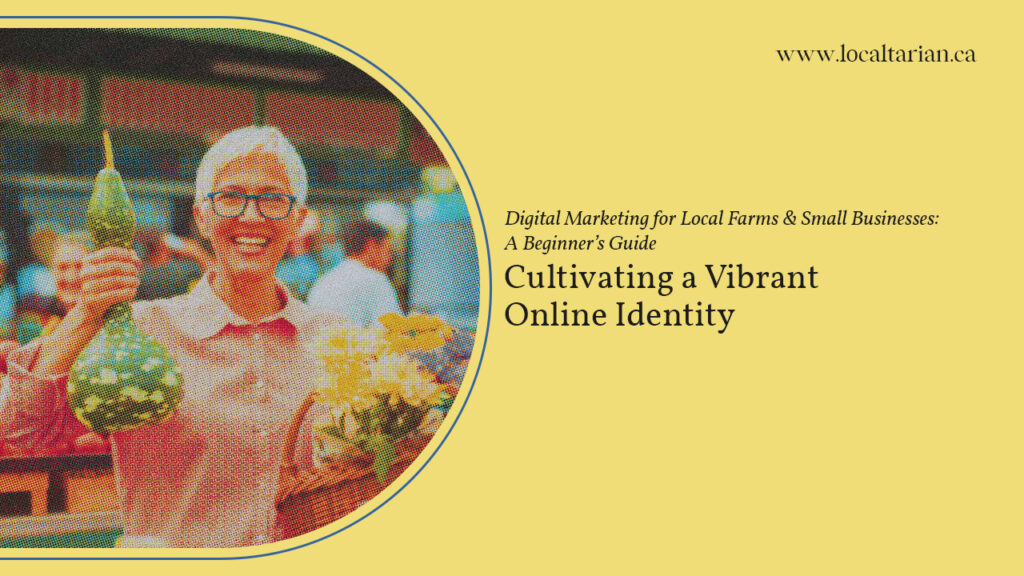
(271, 205)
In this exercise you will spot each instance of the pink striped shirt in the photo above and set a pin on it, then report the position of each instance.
(207, 476)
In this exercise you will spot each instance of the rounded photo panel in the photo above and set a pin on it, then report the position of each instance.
(241, 289)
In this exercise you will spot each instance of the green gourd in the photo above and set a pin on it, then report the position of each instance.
(123, 379)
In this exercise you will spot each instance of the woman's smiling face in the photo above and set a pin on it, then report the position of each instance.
(249, 245)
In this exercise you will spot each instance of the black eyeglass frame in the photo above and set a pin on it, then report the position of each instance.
(245, 205)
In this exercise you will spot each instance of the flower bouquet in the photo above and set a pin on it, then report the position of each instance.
(382, 407)
(377, 395)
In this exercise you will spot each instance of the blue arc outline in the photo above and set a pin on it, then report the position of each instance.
(487, 249)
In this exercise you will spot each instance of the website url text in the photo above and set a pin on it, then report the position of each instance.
(885, 54)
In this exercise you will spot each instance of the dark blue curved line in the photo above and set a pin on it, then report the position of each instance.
(487, 248)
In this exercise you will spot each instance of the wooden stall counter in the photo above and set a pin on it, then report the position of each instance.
(58, 501)
(37, 485)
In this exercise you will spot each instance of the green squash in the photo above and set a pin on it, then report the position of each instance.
(123, 379)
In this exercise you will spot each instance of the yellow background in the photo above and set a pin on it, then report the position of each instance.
(868, 427)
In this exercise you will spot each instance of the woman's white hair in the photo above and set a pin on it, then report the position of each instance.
(243, 142)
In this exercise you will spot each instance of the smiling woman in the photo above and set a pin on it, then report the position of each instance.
(206, 476)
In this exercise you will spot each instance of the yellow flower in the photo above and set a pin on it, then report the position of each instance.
(392, 322)
(421, 331)
(358, 365)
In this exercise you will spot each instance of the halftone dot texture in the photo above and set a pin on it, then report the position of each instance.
(311, 499)
(445, 275)
(124, 378)
(73, 538)
(33, 97)
(358, 142)
(358, 123)
(176, 107)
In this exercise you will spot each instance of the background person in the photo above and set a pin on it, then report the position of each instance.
(358, 289)
(66, 268)
(298, 269)
(37, 301)
(66, 265)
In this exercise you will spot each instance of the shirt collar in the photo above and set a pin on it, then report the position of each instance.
(356, 263)
(209, 314)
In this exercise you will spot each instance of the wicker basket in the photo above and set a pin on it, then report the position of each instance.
(312, 499)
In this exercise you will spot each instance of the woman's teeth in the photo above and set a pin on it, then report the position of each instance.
(251, 242)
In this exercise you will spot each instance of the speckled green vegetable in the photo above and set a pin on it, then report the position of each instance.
(123, 379)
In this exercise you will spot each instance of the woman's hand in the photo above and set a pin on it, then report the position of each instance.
(109, 276)
(91, 443)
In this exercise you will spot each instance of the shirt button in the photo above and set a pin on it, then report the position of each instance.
(260, 384)
(256, 336)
